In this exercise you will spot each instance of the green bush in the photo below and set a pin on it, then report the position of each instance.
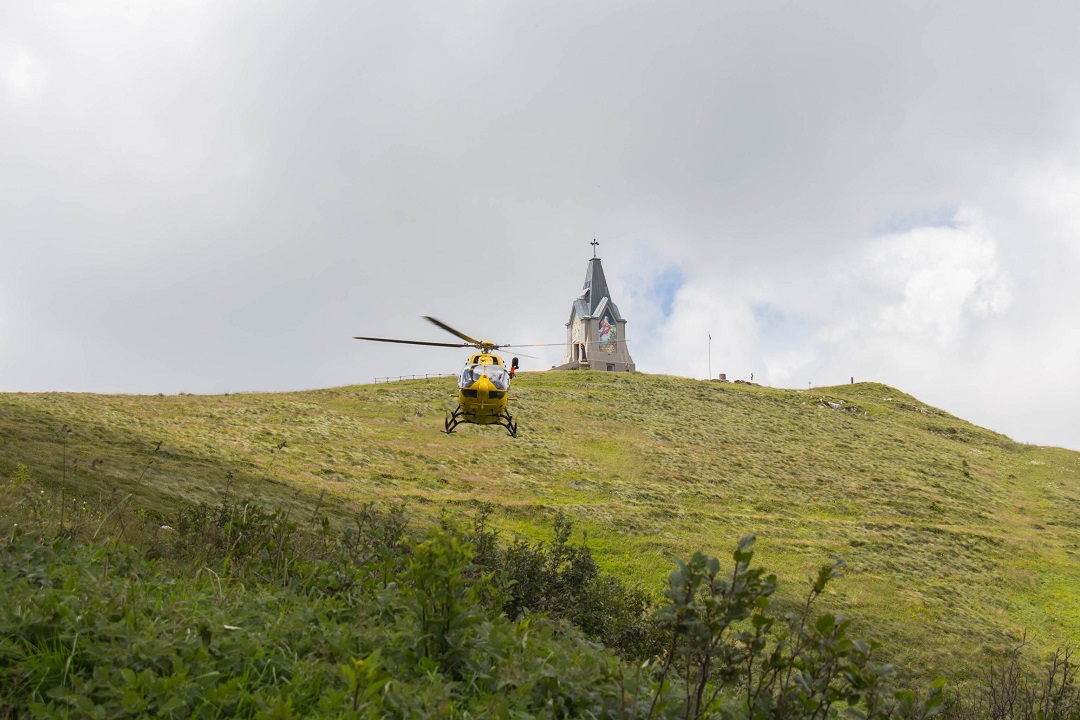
(239, 611)
(735, 658)
(561, 580)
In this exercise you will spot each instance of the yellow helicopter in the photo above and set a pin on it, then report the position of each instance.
(483, 385)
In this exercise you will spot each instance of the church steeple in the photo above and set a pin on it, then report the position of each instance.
(595, 288)
(596, 332)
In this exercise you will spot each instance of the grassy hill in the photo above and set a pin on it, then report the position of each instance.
(957, 540)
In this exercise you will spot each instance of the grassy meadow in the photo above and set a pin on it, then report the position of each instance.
(957, 540)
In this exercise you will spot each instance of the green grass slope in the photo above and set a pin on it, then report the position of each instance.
(957, 540)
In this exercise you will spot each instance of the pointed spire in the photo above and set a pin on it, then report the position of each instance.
(596, 288)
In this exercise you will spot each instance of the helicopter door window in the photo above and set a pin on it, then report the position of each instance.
(470, 375)
(498, 377)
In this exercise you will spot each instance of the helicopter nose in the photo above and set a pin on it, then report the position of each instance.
(488, 391)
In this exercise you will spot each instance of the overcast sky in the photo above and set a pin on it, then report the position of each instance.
(216, 196)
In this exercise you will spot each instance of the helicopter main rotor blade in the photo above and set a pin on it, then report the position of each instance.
(413, 342)
(452, 331)
(533, 345)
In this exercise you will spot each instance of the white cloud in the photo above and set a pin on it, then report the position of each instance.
(930, 280)
(22, 76)
(1048, 195)
(895, 305)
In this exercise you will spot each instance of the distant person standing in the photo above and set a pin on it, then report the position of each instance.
(751, 377)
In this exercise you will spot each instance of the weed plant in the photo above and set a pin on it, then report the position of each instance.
(1013, 691)
(239, 611)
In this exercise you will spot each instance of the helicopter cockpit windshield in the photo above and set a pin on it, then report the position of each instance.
(499, 377)
(469, 375)
(495, 373)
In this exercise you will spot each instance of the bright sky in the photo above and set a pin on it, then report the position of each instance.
(216, 196)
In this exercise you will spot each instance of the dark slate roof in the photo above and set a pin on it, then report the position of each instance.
(595, 288)
(593, 293)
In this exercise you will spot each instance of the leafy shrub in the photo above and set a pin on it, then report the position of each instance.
(98, 631)
(736, 660)
(563, 581)
(239, 611)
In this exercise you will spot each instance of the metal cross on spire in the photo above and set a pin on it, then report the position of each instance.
(594, 244)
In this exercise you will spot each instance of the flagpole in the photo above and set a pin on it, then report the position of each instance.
(710, 356)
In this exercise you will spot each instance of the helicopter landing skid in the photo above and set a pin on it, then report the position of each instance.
(510, 425)
(453, 421)
(456, 418)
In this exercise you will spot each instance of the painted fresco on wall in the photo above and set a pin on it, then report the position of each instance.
(575, 332)
(609, 333)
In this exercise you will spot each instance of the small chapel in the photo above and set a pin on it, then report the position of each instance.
(596, 331)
